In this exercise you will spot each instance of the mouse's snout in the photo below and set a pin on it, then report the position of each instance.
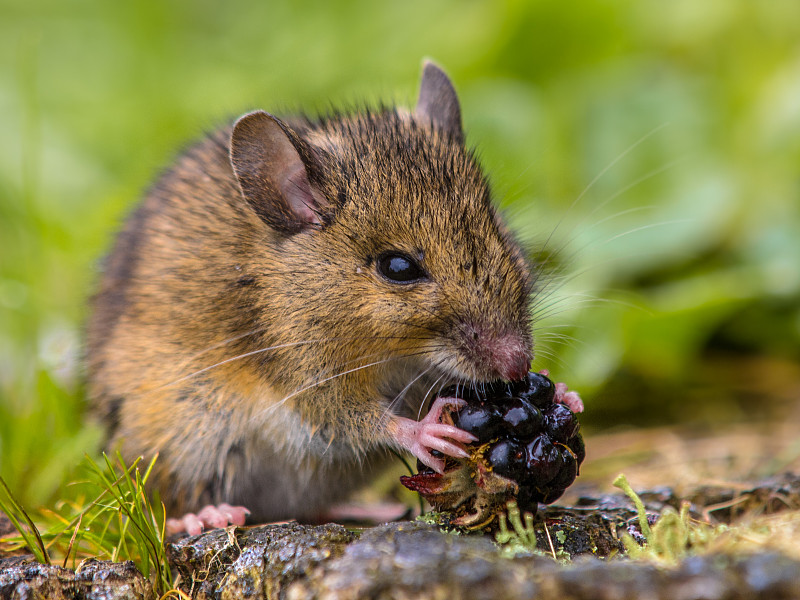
(504, 355)
(511, 357)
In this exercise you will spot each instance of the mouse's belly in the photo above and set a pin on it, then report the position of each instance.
(267, 458)
(273, 489)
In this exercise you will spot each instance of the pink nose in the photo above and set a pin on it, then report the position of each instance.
(510, 357)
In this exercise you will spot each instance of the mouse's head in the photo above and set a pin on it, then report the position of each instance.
(388, 241)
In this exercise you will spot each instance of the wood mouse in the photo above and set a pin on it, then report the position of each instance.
(276, 311)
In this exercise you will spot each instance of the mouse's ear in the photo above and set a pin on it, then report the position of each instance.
(438, 100)
(272, 165)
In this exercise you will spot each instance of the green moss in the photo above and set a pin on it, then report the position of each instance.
(521, 537)
(673, 537)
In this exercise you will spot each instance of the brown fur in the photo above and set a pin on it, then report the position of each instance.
(199, 284)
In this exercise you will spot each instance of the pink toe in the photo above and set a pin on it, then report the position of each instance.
(573, 401)
(193, 525)
(209, 517)
(236, 515)
(447, 431)
(444, 447)
(426, 458)
(435, 413)
(212, 517)
(175, 526)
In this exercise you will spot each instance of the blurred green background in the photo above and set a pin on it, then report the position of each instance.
(649, 150)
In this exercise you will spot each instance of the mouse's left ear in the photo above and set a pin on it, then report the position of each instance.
(438, 101)
(275, 170)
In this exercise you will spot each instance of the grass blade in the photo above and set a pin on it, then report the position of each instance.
(30, 533)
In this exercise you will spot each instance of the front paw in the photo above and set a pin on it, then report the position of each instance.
(421, 437)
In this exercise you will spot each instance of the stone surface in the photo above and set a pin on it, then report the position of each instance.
(711, 577)
(22, 577)
(254, 563)
(416, 560)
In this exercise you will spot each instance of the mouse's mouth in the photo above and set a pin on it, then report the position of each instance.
(466, 374)
(505, 359)
(475, 389)
(461, 387)
(454, 375)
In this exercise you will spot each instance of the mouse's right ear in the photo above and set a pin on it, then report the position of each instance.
(438, 100)
(272, 165)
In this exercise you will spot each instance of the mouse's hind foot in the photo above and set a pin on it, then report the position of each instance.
(208, 517)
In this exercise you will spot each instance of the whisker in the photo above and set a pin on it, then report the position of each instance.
(358, 359)
(552, 358)
(592, 299)
(554, 311)
(562, 307)
(643, 178)
(540, 308)
(597, 178)
(558, 337)
(649, 226)
(405, 389)
(427, 394)
(226, 342)
(235, 358)
(621, 213)
(622, 155)
(279, 347)
(342, 374)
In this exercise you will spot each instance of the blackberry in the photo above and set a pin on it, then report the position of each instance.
(543, 461)
(528, 448)
(561, 424)
(520, 420)
(537, 389)
(508, 458)
(482, 420)
(578, 448)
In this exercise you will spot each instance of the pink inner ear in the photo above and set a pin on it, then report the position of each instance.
(297, 192)
(265, 156)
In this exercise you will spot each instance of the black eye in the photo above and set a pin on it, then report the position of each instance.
(399, 268)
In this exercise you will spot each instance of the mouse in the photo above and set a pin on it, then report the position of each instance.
(280, 308)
